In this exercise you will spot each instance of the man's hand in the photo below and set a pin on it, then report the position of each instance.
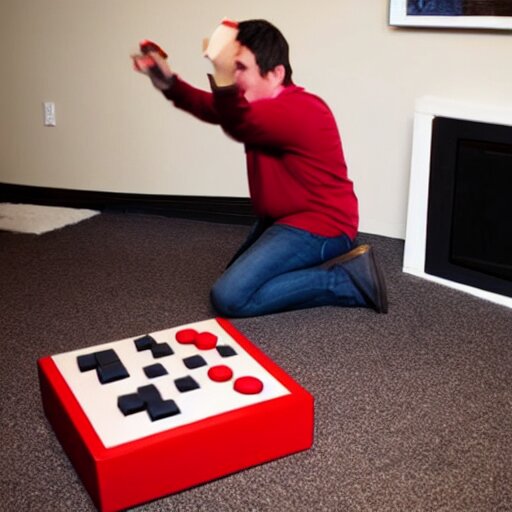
(222, 50)
(152, 64)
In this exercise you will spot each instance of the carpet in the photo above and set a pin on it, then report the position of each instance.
(413, 409)
(35, 219)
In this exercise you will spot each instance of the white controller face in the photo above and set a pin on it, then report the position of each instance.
(209, 398)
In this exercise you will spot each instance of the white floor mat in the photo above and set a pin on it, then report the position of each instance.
(29, 218)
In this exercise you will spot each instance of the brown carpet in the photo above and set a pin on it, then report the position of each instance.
(413, 408)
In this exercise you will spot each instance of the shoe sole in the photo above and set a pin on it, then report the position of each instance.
(344, 258)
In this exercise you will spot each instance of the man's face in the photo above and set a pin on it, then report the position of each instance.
(249, 79)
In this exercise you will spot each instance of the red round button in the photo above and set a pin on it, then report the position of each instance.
(206, 341)
(248, 385)
(220, 373)
(186, 336)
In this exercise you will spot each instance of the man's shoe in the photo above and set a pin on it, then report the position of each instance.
(362, 267)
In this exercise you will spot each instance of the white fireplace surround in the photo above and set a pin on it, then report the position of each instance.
(426, 109)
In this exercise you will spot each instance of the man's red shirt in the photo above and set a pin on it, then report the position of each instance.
(295, 163)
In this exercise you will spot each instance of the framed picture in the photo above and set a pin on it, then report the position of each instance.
(484, 14)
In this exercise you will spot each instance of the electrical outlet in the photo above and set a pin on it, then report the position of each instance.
(49, 113)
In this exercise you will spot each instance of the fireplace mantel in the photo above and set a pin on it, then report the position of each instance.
(426, 109)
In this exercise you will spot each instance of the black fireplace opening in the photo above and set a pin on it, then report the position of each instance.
(469, 220)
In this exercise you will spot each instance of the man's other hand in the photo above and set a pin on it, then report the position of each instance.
(155, 66)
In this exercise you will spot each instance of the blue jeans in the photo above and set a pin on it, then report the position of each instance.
(279, 270)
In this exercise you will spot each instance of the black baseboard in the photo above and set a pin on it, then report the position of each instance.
(228, 210)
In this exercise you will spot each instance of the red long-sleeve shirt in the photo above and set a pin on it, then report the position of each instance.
(295, 163)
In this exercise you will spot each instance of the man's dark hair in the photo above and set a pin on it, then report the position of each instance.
(268, 45)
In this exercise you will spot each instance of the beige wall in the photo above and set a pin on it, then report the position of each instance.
(114, 133)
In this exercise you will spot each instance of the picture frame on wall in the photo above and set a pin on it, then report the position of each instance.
(469, 14)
